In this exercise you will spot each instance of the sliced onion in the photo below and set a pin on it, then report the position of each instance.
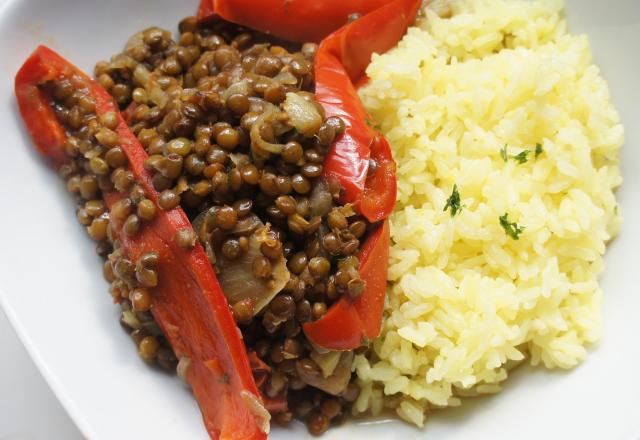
(303, 114)
(247, 225)
(238, 281)
(321, 200)
(158, 96)
(198, 225)
(122, 61)
(239, 159)
(136, 44)
(141, 75)
(334, 384)
(256, 408)
(256, 138)
(236, 277)
(286, 78)
(183, 366)
(259, 105)
(241, 87)
(130, 318)
(347, 210)
(182, 185)
(326, 361)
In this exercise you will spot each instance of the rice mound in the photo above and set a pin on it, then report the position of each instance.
(466, 301)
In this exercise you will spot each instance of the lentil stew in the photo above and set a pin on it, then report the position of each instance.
(200, 168)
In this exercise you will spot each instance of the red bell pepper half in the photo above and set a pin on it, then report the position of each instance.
(187, 303)
(293, 20)
(341, 62)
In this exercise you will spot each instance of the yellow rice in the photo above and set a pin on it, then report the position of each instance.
(467, 301)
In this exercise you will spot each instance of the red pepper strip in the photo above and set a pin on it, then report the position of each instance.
(187, 303)
(350, 324)
(293, 20)
(40, 119)
(259, 369)
(129, 113)
(340, 63)
(348, 160)
(374, 257)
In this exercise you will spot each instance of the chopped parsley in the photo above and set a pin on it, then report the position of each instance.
(503, 153)
(522, 156)
(453, 202)
(511, 228)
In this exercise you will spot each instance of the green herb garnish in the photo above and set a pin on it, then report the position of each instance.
(522, 156)
(453, 202)
(511, 228)
(503, 153)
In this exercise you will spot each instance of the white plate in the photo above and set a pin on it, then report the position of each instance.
(52, 290)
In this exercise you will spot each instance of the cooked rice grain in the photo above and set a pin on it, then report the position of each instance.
(466, 301)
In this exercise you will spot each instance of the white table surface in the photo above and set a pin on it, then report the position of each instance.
(28, 408)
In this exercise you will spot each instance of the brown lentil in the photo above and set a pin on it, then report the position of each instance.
(228, 138)
(231, 249)
(137, 194)
(180, 146)
(146, 277)
(98, 228)
(319, 267)
(261, 267)
(148, 348)
(297, 263)
(140, 299)
(168, 199)
(243, 311)
(146, 210)
(337, 220)
(319, 310)
(107, 137)
(358, 228)
(121, 209)
(115, 157)
(122, 179)
(330, 407)
(94, 208)
(186, 238)
(331, 243)
(283, 305)
(131, 225)
(300, 184)
(226, 217)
